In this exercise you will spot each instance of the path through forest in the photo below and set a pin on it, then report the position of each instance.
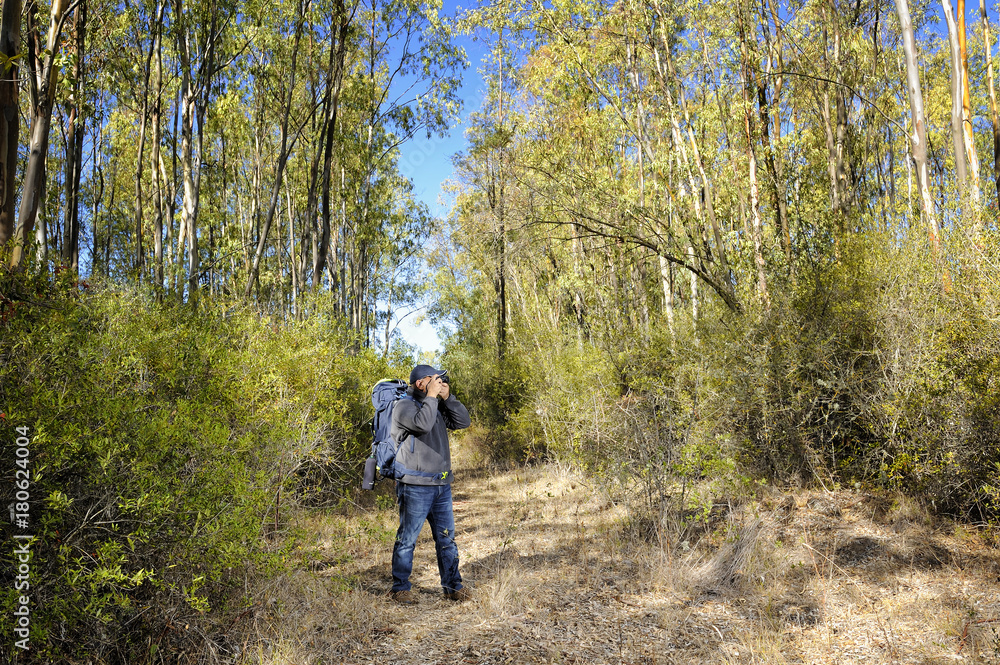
(808, 577)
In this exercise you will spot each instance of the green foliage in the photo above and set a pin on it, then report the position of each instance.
(870, 367)
(683, 317)
(494, 392)
(167, 448)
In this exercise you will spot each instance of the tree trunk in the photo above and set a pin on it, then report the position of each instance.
(970, 141)
(292, 255)
(81, 36)
(845, 191)
(779, 162)
(69, 168)
(755, 229)
(579, 310)
(310, 232)
(640, 121)
(994, 117)
(41, 225)
(831, 149)
(189, 205)
(707, 190)
(43, 87)
(173, 245)
(918, 139)
(767, 109)
(155, 165)
(694, 288)
(338, 53)
(667, 277)
(845, 184)
(10, 122)
(279, 168)
(194, 97)
(501, 280)
(831, 143)
(97, 184)
(139, 253)
(957, 133)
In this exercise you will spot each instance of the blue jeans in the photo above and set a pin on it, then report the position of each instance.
(416, 504)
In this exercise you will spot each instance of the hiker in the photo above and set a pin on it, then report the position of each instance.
(420, 423)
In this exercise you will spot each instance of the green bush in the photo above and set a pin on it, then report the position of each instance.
(168, 447)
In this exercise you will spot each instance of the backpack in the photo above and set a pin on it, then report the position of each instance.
(379, 464)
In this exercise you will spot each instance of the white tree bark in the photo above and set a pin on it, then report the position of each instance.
(918, 140)
(957, 135)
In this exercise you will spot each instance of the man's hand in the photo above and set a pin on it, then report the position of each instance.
(445, 391)
(434, 386)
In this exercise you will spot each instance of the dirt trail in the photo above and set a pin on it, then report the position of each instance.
(804, 578)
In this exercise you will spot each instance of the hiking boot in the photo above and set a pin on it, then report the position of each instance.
(460, 595)
(403, 597)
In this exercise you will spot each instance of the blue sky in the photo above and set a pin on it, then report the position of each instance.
(427, 162)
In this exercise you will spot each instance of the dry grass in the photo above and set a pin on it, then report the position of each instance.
(303, 621)
(562, 577)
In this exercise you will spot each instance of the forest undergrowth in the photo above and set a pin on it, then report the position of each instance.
(562, 574)
(721, 292)
(166, 446)
(812, 481)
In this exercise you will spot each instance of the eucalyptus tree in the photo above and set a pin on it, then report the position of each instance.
(74, 140)
(967, 132)
(966, 188)
(749, 133)
(199, 30)
(10, 125)
(42, 85)
(918, 139)
(405, 80)
(343, 18)
(994, 116)
(706, 142)
(156, 116)
(486, 165)
(664, 133)
(284, 148)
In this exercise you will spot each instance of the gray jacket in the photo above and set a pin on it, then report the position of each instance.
(420, 424)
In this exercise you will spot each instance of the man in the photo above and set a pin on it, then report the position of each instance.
(420, 423)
